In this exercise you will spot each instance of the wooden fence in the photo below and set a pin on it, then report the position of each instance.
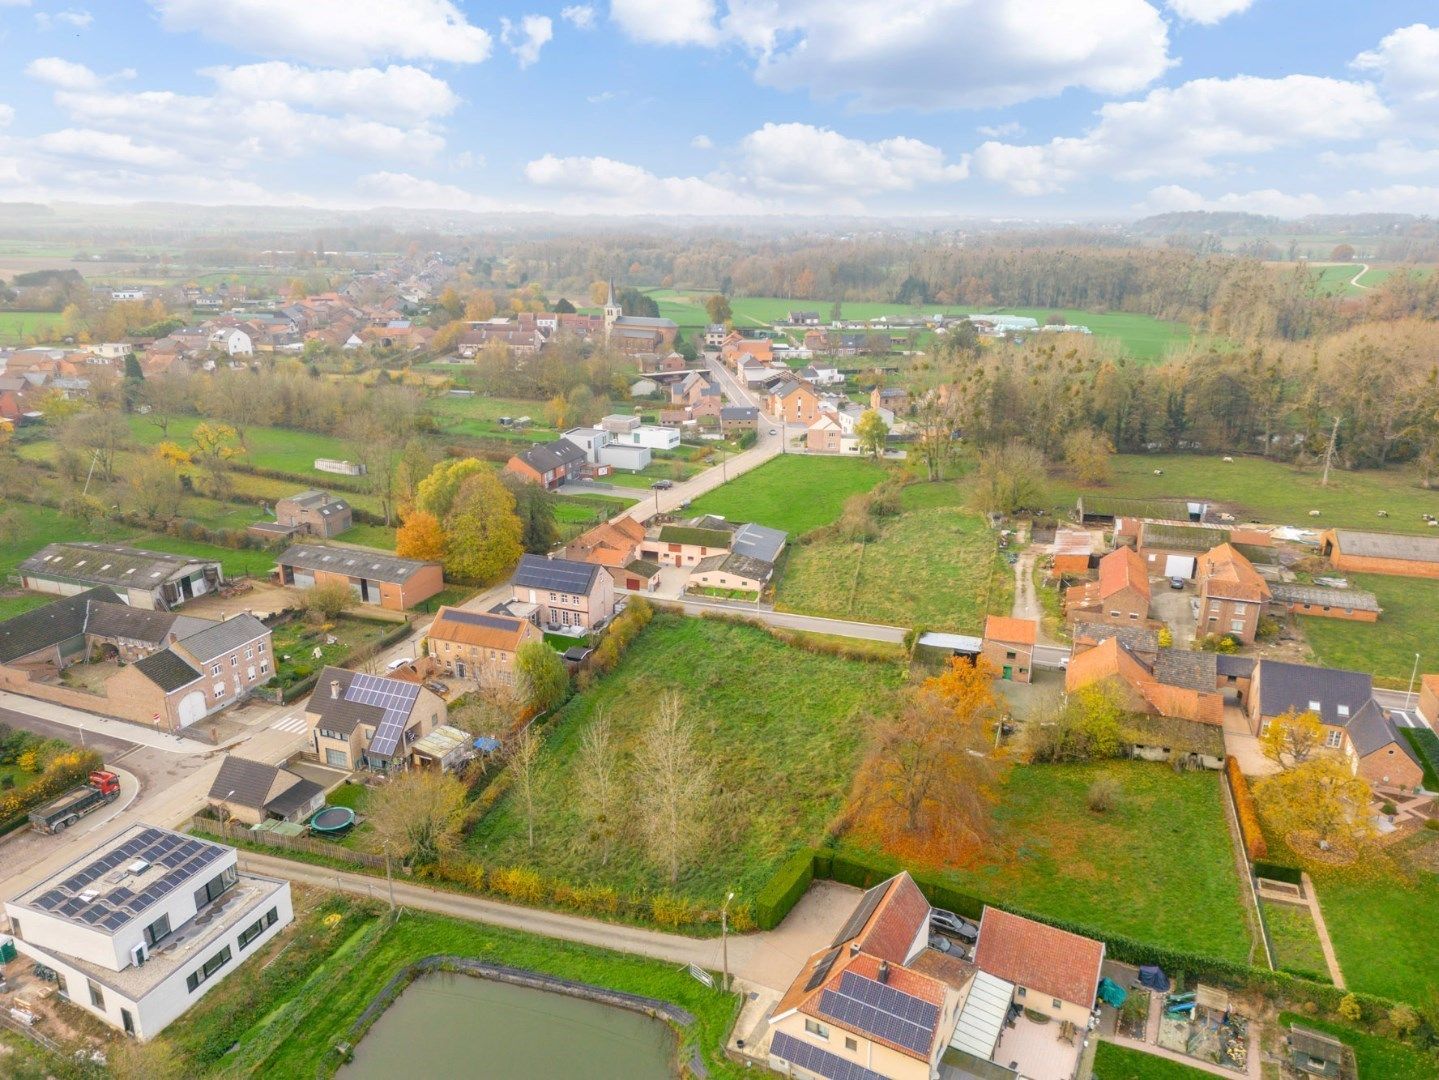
(232, 831)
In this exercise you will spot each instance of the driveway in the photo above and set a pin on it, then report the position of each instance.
(1174, 608)
(1243, 745)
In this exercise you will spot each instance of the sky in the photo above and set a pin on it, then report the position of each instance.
(1030, 109)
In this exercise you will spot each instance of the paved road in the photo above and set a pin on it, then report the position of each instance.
(768, 959)
(789, 620)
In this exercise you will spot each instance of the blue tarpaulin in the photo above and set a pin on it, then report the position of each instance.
(486, 745)
(1154, 978)
(1111, 993)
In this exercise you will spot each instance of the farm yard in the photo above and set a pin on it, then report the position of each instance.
(792, 492)
(783, 749)
(1384, 649)
(937, 568)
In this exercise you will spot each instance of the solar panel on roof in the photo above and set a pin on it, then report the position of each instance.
(394, 697)
(48, 900)
(821, 969)
(817, 1060)
(861, 915)
(119, 896)
(95, 913)
(475, 618)
(883, 1011)
(114, 920)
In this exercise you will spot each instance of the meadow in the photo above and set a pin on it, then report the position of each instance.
(16, 326)
(1142, 336)
(793, 492)
(1384, 649)
(782, 729)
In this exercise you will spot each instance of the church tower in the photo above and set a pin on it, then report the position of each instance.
(612, 310)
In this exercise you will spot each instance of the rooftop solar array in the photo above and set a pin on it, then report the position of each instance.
(85, 899)
(867, 903)
(817, 1060)
(559, 575)
(476, 618)
(883, 1011)
(821, 969)
(396, 698)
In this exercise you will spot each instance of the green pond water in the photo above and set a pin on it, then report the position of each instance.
(453, 1025)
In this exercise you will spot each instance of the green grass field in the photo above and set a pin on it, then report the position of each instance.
(1142, 336)
(1296, 941)
(478, 417)
(267, 448)
(792, 492)
(937, 568)
(1384, 649)
(1373, 1056)
(781, 728)
(1113, 1062)
(1158, 867)
(16, 326)
(1268, 491)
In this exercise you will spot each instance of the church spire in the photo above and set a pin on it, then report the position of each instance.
(610, 300)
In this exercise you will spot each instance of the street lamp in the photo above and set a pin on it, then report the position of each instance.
(229, 815)
(724, 939)
(1408, 697)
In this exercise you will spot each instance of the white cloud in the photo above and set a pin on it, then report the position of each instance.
(7, 115)
(402, 94)
(801, 159)
(601, 97)
(923, 54)
(702, 142)
(64, 74)
(75, 20)
(1173, 197)
(1207, 12)
(603, 185)
(1007, 130)
(1393, 157)
(527, 37)
(405, 189)
(1407, 63)
(580, 16)
(667, 22)
(334, 31)
(1187, 128)
(105, 146)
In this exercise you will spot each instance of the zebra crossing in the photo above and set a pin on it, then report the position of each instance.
(293, 724)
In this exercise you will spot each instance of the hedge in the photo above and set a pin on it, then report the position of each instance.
(783, 890)
(1254, 843)
(1279, 872)
(1426, 746)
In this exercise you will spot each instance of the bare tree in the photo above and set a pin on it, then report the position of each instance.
(672, 784)
(524, 758)
(935, 420)
(418, 815)
(599, 782)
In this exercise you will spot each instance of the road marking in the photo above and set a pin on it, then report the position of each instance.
(295, 724)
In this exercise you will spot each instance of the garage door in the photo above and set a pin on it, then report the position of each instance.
(192, 707)
(1179, 566)
(304, 579)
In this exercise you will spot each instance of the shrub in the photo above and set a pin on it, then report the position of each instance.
(1425, 744)
(1403, 1020)
(783, 890)
(1432, 824)
(1388, 808)
(670, 910)
(1350, 1009)
(1254, 843)
(518, 883)
(1103, 794)
(1166, 637)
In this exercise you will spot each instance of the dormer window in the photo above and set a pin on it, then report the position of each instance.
(1315, 706)
(1342, 710)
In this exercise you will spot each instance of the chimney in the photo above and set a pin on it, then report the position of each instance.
(854, 948)
(884, 971)
(335, 689)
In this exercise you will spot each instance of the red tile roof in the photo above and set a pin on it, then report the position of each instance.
(1227, 573)
(896, 921)
(1122, 568)
(1008, 628)
(1042, 958)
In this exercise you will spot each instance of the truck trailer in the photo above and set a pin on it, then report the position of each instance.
(60, 813)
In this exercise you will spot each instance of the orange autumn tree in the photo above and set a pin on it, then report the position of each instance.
(930, 779)
(420, 537)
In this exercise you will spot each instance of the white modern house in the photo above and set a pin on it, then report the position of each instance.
(628, 431)
(143, 926)
(601, 449)
(232, 341)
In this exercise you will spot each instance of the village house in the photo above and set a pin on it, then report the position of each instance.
(737, 573)
(737, 419)
(1171, 547)
(110, 922)
(311, 513)
(794, 402)
(1071, 553)
(548, 464)
(1381, 553)
(1009, 646)
(152, 667)
(374, 577)
(369, 722)
(146, 579)
(1177, 683)
(1053, 971)
(894, 398)
(479, 645)
(615, 545)
(1121, 595)
(714, 335)
(687, 543)
(1356, 726)
(560, 594)
(1232, 595)
(253, 791)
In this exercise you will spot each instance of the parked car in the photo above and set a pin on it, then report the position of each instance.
(437, 687)
(1177, 584)
(663, 485)
(951, 923)
(399, 662)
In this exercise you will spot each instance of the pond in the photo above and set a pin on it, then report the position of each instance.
(453, 1025)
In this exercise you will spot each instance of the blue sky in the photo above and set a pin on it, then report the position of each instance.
(1016, 108)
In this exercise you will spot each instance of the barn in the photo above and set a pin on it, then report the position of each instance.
(1381, 553)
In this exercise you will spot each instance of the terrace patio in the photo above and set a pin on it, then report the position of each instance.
(1036, 1052)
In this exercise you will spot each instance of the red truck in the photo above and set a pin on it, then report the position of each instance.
(59, 814)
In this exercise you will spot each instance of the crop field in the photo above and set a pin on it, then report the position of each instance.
(792, 492)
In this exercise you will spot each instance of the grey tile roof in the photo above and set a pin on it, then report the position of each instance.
(547, 457)
(167, 670)
(317, 500)
(1191, 669)
(739, 565)
(1370, 729)
(1345, 599)
(1240, 667)
(1284, 686)
(354, 562)
(1377, 545)
(111, 564)
(558, 575)
(646, 321)
(1139, 639)
(294, 797)
(138, 624)
(739, 412)
(758, 542)
(223, 637)
(250, 781)
(49, 625)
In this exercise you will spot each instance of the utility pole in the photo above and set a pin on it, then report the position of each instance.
(1409, 697)
(724, 939)
(389, 880)
(1329, 452)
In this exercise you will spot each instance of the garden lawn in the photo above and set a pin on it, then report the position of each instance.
(284, 449)
(375, 536)
(937, 568)
(1157, 868)
(1268, 491)
(298, 640)
(1373, 1056)
(1113, 1062)
(1384, 649)
(1382, 925)
(781, 728)
(792, 492)
(1295, 940)
(18, 778)
(351, 982)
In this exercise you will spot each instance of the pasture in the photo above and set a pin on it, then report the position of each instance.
(793, 492)
(17, 326)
